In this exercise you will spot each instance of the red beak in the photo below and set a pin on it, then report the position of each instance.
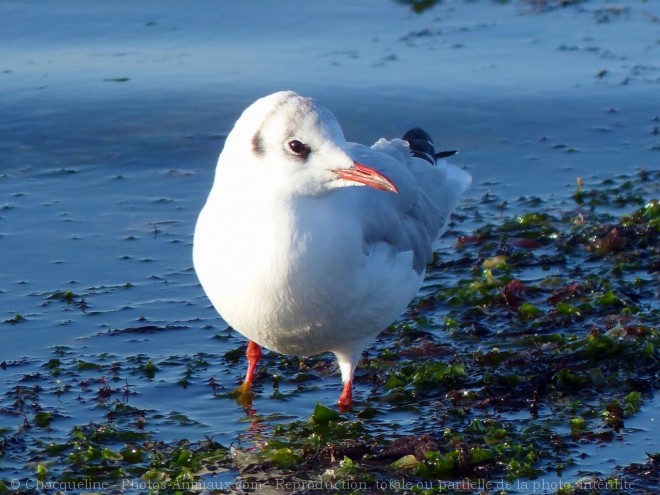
(368, 176)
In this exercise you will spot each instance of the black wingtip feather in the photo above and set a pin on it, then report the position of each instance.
(421, 146)
(445, 154)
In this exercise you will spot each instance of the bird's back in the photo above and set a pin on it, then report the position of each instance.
(416, 217)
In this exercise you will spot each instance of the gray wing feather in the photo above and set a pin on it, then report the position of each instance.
(413, 219)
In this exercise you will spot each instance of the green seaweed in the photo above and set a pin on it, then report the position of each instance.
(536, 335)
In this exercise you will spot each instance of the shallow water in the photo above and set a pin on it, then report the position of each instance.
(112, 117)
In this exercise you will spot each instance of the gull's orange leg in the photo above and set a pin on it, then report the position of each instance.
(345, 401)
(253, 355)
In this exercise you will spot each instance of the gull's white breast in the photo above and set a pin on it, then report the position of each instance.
(296, 274)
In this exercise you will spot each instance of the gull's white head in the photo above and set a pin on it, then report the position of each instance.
(290, 143)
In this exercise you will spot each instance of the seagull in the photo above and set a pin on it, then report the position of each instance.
(308, 243)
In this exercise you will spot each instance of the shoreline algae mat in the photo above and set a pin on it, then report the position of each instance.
(534, 339)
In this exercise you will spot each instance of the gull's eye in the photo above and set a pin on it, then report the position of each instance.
(299, 148)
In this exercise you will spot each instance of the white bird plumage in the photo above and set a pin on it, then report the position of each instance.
(295, 258)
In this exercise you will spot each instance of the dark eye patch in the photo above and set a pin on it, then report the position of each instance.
(258, 144)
